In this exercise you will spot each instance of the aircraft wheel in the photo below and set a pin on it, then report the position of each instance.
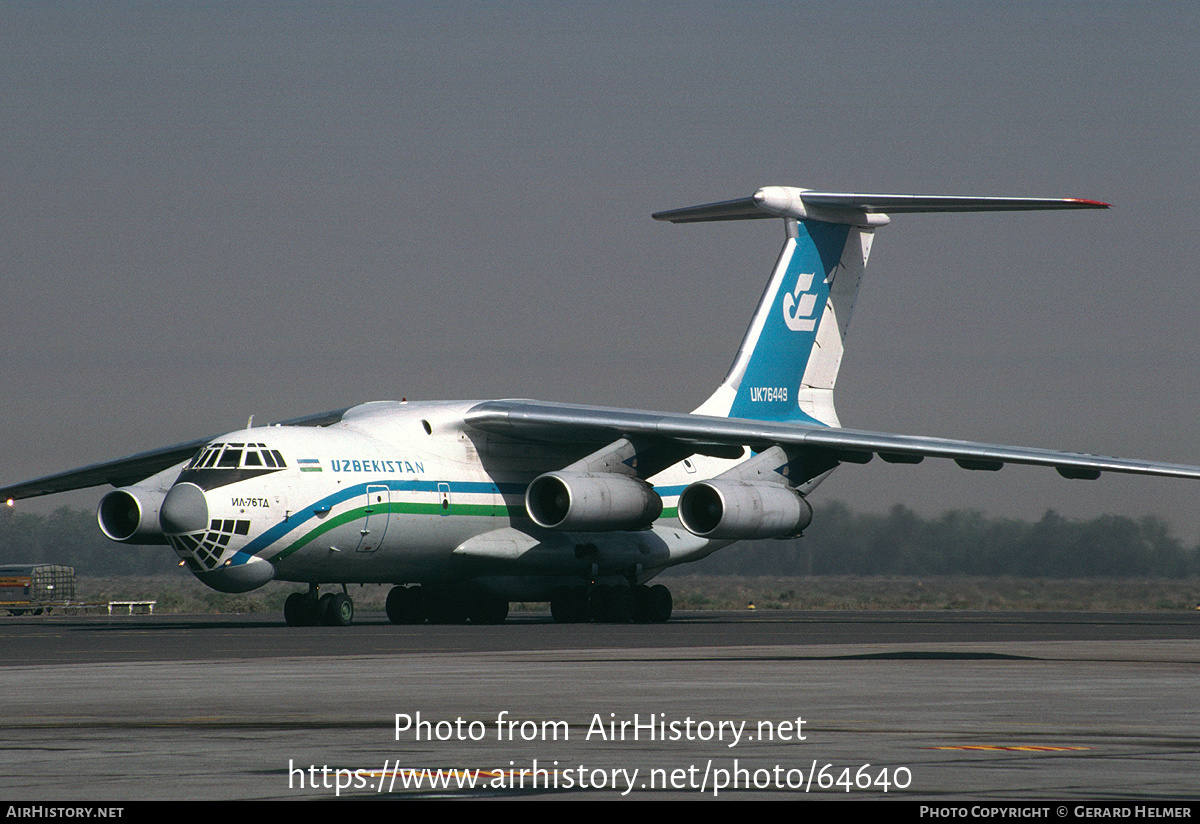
(488, 610)
(323, 617)
(560, 605)
(339, 612)
(297, 610)
(598, 604)
(660, 604)
(583, 604)
(396, 605)
(569, 605)
(620, 606)
(564, 605)
(447, 608)
(611, 604)
(404, 605)
(641, 604)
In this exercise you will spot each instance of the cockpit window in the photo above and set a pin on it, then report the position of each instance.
(236, 456)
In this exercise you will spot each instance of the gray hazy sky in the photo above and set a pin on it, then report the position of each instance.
(210, 211)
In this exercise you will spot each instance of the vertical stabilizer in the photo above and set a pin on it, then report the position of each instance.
(787, 365)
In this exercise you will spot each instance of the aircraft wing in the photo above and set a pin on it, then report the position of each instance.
(534, 420)
(121, 472)
(131, 469)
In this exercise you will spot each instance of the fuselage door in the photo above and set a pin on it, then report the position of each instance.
(444, 498)
(375, 518)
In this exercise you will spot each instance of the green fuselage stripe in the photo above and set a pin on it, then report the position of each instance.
(396, 508)
(402, 508)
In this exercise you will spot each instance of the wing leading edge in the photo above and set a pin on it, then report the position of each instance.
(537, 421)
(131, 469)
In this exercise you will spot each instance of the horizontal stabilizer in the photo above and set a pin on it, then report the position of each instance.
(788, 201)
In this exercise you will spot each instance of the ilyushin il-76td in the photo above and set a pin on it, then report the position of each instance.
(466, 506)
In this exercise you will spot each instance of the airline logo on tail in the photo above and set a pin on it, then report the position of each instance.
(800, 306)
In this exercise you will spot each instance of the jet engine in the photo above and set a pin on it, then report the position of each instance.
(742, 510)
(130, 515)
(591, 501)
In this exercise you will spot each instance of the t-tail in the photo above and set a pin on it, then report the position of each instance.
(787, 365)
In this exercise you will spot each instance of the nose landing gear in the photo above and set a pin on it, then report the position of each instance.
(307, 609)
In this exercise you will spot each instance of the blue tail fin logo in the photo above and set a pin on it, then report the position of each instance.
(800, 307)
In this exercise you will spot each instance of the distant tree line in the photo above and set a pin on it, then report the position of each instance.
(839, 542)
(72, 537)
(964, 542)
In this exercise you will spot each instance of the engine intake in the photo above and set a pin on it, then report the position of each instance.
(591, 501)
(130, 515)
(741, 510)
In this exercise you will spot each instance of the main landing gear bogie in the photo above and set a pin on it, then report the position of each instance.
(602, 603)
(417, 604)
(608, 604)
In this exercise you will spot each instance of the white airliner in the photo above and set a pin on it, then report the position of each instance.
(467, 505)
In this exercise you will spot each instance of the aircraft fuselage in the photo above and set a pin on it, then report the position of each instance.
(396, 493)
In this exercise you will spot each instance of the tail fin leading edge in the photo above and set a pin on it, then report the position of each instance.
(787, 365)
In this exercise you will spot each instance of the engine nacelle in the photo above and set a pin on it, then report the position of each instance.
(741, 510)
(591, 502)
(130, 515)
